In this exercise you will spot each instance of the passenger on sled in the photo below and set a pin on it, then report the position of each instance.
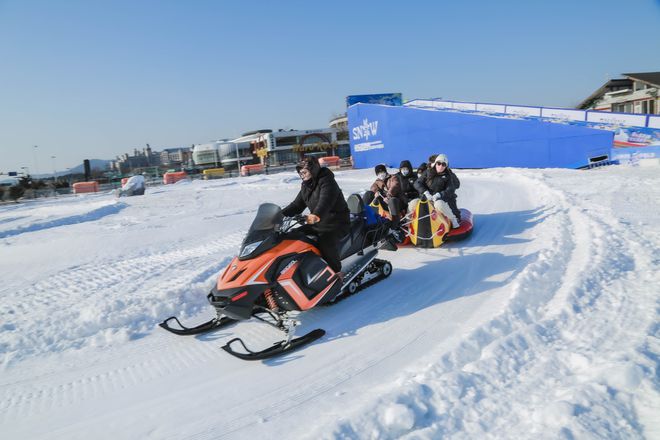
(407, 176)
(385, 195)
(438, 184)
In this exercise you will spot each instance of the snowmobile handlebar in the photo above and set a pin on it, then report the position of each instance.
(291, 222)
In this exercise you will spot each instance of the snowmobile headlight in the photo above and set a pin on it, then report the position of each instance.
(249, 248)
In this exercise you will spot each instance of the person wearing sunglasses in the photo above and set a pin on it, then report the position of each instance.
(438, 185)
(329, 217)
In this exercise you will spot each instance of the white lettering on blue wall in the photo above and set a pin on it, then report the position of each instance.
(365, 130)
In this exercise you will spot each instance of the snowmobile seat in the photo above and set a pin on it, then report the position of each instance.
(359, 210)
(361, 234)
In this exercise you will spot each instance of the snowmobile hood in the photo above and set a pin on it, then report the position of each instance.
(254, 270)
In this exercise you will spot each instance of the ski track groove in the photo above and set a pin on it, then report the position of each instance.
(20, 398)
(40, 399)
(93, 286)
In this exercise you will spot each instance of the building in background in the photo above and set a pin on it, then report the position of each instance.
(635, 93)
(289, 146)
(175, 157)
(266, 146)
(125, 163)
(273, 148)
(222, 153)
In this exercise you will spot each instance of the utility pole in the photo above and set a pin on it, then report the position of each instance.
(36, 168)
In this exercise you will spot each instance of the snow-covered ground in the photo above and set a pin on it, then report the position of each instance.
(543, 324)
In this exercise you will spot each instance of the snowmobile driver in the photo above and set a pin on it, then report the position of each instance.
(439, 184)
(328, 217)
(387, 190)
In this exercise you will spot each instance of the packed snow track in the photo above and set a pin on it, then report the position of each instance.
(542, 324)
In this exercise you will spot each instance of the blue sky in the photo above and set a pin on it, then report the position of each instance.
(95, 79)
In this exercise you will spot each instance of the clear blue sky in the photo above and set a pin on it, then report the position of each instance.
(94, 79)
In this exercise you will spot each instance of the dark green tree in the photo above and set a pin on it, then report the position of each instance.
(16, 192)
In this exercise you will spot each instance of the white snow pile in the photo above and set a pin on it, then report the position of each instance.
(542, 324)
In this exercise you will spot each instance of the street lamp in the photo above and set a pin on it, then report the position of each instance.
(54, 172)
(36, 168)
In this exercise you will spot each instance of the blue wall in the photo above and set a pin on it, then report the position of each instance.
(386, 134)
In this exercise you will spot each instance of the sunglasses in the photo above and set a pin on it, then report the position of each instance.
(441, 163)
(304, 172)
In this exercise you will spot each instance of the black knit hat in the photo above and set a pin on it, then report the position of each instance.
(380, 168)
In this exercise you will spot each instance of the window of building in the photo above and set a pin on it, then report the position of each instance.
(287, 157)
(648, 106)
(641, 85)
(344, 151)
(286, 141)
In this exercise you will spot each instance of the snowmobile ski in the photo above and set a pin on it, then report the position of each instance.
(276, 350)
(213, 324)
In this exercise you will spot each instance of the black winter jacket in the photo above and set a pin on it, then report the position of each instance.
(408, 182)
(322, 195)
(445, 183)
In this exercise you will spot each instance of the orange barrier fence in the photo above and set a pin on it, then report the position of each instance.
(173, 177)
(85, 187)
(247, 170)
(329, 161)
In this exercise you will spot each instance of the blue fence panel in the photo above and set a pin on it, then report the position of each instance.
(384, 134)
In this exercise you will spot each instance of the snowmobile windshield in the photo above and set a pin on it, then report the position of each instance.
(269, 216)
(262, 233)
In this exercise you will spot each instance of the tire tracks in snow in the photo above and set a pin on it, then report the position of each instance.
(65, 386)
(79, 306)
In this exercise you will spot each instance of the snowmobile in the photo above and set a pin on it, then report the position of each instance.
(279, 270)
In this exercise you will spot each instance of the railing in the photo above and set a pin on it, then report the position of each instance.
(31, 194)
(595, 116)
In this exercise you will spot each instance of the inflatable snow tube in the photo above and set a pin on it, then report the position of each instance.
(464, 229)
(429, 228)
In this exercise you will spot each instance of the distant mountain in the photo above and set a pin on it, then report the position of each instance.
(100, 164)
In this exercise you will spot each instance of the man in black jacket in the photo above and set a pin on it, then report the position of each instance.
(328, 216)
(439, 184)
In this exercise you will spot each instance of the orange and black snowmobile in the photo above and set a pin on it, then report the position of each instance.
(279, 270)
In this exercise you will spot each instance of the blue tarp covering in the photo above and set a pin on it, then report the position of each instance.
(387, 134)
